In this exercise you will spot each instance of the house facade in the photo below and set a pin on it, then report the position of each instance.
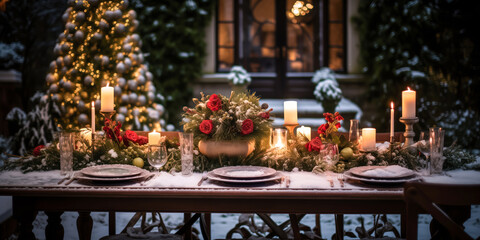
(281, 43)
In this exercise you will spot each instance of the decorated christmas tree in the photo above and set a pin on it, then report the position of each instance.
(99, 46)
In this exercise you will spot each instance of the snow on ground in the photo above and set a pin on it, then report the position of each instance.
(223, 222)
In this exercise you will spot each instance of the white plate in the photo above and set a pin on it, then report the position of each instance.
(111, 171)
(382, 172)
(349, 175)
(141, 175)
(244, 172)
(214, 177)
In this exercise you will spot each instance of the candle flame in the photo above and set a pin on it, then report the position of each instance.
(409, 89)
(109, 83)
(93, 104)
(391, 104)
(154, 130)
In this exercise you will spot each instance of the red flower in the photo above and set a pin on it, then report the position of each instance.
(117, 129)
(328, 117)
(109, 132)
(130, 136)
(142, 140)
(323, 128)
(265, 115)
(338, 125)
(314, 145)
(36, 150)
(338, 117)
(206, 126)
(247, 126)
(214, 103)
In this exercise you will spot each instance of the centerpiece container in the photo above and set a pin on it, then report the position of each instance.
(212, 148)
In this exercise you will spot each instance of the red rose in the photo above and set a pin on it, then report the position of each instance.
(247, 126)
(142, 140)
(206, 126)
(214, 103)
(314, 145)
(129, 136)
(338, 125)
(108, 131)
(117, 129)
(323, 128)
(36, 150)
(328, 117)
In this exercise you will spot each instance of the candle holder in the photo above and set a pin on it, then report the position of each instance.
(409, 133)
(108, 115)
(291, 128)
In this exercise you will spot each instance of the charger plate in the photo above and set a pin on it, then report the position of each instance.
(111, 171)
(382, 172)
(143, 174)
(349, 175)
(214, 177)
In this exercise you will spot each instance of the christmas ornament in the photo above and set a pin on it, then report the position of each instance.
(117, 14)
(141, 80)
(109, 15)
(117, 90)
(97, 36)
(67, 85)
(103, 25)
(53, 88)
(132, 15)
(124, 98)
(142, 100)
(79, 36)
(132, 85)
(128, 62)
(123, 110)
(120, 67)
(127, 47)
(83, 118)
(120, 56)
(80, 17)
(121, 82)
(120, 117)
(52, 66)
(70, 27)
(149, 76)
(60, 61)
(51, 78)
(87, 80)
(105, 61)
(67, 60)
(132, 98)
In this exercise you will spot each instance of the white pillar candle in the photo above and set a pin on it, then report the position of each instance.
(305, 131)
(392, 116)
(93, 118)
(408, 103)
(154, 138)
(368, 139)
(290, 112)
(107, 99)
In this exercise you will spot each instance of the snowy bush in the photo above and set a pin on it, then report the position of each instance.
(327, 90)
(10, 55)
(239, 76)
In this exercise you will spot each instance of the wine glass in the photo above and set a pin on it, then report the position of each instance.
(157, 156)
(423, 146)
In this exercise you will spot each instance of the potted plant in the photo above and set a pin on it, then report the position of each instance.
(239, 79)
(327, 91)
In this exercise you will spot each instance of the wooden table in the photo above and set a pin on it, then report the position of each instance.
(27, 200)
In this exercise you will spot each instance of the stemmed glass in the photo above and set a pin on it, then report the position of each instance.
(424, 147)
(157, 156)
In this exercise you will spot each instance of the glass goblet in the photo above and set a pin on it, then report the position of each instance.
(157, 156)
(423, 146)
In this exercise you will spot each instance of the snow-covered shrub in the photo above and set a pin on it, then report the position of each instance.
(10, 55)
(327, 91)
(239, 76)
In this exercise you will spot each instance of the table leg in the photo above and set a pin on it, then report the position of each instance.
(84, 225)
(25, 215)
(403, 225)
(208, 224)
(188, 231)
(339, 225)
(318, 226)
(294, 224)
(111, 223)
(54, 229)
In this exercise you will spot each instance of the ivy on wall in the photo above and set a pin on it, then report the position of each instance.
(173, 33)
(432, 47)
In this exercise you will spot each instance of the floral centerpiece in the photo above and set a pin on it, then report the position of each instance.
(236, 118)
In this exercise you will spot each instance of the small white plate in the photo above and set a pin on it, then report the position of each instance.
(143, 174)
(244, 172)
(111, 171)
(382, 172)
(214, 177)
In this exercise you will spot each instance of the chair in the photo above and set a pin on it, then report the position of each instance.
(449, 205)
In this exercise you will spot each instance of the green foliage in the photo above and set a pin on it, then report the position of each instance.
(173, 36)
(432, 47)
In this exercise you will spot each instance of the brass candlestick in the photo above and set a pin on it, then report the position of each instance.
(107, 115)
(291, 128)
(409, 133)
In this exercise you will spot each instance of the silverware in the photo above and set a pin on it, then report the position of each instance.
(340, 179)
(331, 181)
(204, 177)
(73, 178)
(63, 180)
(147, 179)
(287, 181)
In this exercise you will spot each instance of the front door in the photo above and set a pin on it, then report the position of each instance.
(280, 46)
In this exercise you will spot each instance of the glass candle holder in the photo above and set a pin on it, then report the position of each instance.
(279, 138)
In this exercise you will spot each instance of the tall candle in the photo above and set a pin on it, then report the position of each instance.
(392, 115)
(93, 118)
(290, 112)
(107, 99)
(305, 131)
(408, 103)
(368, 139)
(154, 138)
